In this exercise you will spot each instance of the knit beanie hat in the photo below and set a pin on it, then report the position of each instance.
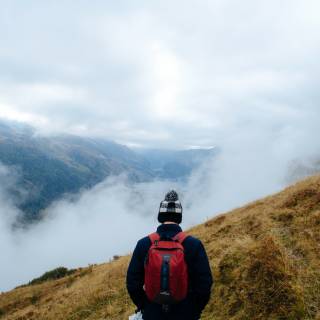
(170, 208)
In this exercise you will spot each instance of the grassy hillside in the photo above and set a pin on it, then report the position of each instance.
(265, 257)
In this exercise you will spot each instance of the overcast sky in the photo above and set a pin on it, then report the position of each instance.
(165, 73)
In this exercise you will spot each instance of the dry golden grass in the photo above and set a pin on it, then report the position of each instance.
(265, 258)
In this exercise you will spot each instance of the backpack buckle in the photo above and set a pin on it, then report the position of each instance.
(165, 308)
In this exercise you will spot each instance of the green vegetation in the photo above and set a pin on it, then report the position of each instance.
(53, 275)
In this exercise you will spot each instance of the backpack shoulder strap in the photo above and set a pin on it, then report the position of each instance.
(180, 237)
(154, 237)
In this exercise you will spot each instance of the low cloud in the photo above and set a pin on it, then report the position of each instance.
(104, 221)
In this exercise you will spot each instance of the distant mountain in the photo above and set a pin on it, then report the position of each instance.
(171, 164)
(50, 167)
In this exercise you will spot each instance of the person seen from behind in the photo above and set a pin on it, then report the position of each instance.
(169, 276)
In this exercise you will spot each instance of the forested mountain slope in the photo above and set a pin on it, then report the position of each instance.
(49, 167)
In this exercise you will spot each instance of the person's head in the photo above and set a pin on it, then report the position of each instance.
(170, 208)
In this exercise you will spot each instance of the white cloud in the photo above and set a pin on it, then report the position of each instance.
(8, 112)
(164, 72)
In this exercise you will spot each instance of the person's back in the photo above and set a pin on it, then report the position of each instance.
(199, 273)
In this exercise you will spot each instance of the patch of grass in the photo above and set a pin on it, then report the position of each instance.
(268, 283)
(34, 298)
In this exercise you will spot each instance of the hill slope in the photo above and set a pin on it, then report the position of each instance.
(265, 257)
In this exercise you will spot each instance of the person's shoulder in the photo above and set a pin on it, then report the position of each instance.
(143, 242)
(194, 248)
(191, 240)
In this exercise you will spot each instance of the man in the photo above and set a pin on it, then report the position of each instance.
(199, 273)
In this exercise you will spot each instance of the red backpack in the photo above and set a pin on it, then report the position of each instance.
(166, 274)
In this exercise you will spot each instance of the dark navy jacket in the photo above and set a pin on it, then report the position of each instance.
(200, 279)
